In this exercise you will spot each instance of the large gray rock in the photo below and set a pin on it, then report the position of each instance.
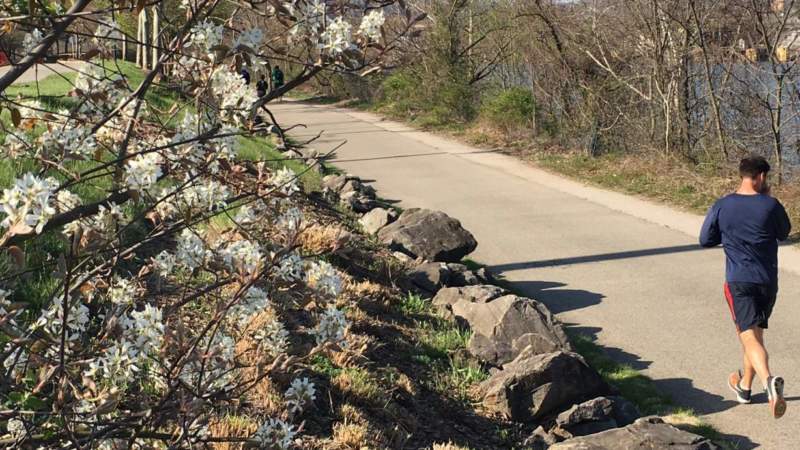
(377, 219)
(645, 433)
(432, 235)
(334, 182)
(358, 202)
(505, 326)
(429, 277)
(534, 386)
(589, 417)
(447, 297)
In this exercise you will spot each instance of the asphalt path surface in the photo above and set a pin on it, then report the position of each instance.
(622, 270)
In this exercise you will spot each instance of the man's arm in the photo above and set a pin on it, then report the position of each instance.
(710, 235)
(783, 226)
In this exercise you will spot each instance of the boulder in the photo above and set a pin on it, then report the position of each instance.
(589, 417)
(540, 439)
(432, 235)
(645, 433)
(429, 277)
(460, 275)
(448, 297)
(358, 202)
(377, 219)
(534, 386)
(334, 182)
(505, 326)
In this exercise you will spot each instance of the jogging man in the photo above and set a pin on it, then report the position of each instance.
(749, 223)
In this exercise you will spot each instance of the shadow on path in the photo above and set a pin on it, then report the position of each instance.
(596, 258)
(556, 299)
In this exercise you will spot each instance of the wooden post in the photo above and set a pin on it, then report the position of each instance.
(124, 47)
(154, 49)
(139, 40)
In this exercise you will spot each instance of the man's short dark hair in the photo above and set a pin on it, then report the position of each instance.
(753, 166)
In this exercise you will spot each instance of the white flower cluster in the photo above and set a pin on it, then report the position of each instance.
(285, 181)
(337, 37)
(28, 202)
(145, 329)
(235, 97)
(202, 195)
(273, 337)
(52, 318)
(121, 292)
(332, 327)
(371, 25)
(275, 434)
(213, 369)
(164, 263)
(73, 140)
(31, 40)
(323, 277)
(143, 171)
(242, 255)
(291, 220)
(101, 93)
(300, 393)
(32, 109)
(290, 267)
(255, 300)
(103, 223)
(206, 36)
(16, 429)
(116, 366)
(310, 18)
(250, 38)
(66, 200)
(192, 250)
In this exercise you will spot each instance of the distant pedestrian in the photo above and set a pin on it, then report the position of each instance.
(262, 86)
(245, 75)
(749, 223)
(277, 79)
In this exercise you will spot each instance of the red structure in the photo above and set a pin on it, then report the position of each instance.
(4, 59)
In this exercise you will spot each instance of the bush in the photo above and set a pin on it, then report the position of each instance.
(509, 109)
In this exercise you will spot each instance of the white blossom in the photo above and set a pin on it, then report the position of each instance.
(337, 38)
(145, 329)
(243, 255)
(323, 277)
(71, 139)
(206, 36)
(273, 337)
(164, 263)
(331, 327)
(16, 429)
(121, 292)
(192, 250)
(254, 301)
(250, 38)
(275, 433)
(290, 267)
(371, 25)
(28, 202)
(285, 181)
(31, 40)
(143, 171)
(291, 220)
(300, 393)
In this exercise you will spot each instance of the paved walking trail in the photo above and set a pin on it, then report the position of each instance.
(42, 71)
(623, 270)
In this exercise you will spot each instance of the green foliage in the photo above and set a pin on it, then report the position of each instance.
(509, 109)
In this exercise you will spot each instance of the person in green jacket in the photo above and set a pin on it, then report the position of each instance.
(277, 79)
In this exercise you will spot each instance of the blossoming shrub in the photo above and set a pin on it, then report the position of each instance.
(145, 321)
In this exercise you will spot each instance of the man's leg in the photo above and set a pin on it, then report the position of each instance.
(756, 357)
(749, 371)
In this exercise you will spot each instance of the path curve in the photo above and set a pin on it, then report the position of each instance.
(626, 271)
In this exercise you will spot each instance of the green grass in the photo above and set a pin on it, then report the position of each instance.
(263, 149)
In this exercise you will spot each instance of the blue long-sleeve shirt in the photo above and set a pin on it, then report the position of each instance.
(749, 228)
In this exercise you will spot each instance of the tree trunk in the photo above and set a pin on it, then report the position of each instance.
(156, 33)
